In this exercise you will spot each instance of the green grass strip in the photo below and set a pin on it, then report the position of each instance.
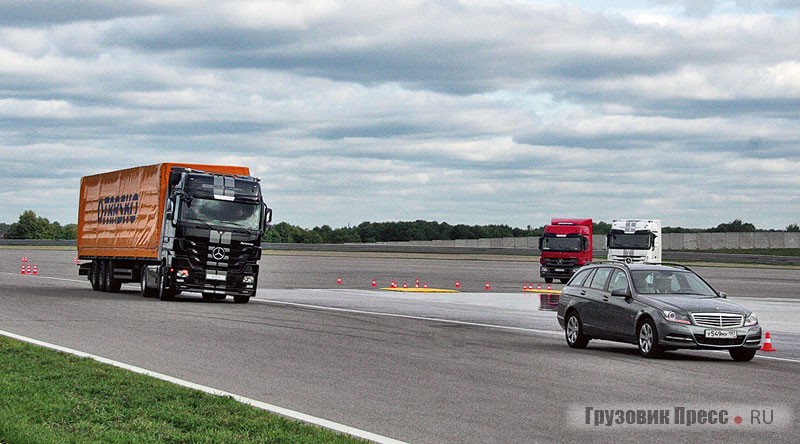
(52, 397)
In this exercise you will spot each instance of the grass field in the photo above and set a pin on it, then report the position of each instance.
(52, 397)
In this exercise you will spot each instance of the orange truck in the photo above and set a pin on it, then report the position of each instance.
(173, 227)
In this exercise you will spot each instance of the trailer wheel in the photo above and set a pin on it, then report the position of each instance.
(102, 277)
(164, 293)
(94, 276)
(112, 285)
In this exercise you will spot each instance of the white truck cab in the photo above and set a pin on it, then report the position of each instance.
(635, 241)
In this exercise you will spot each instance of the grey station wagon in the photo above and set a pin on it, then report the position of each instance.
(657, 307)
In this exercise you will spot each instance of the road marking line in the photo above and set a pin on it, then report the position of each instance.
(341, 428)
(402, 316)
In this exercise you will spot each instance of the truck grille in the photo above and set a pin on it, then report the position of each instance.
(718, 320)
(560, 262)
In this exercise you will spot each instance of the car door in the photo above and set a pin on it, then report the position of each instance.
(576, 296)
(618, 313)
(592, 315)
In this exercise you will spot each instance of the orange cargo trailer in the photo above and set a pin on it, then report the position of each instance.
(156, 216)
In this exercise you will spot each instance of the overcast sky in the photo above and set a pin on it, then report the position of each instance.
(474, 112)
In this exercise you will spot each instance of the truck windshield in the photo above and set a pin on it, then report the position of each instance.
(561, 243)
(222, 213)
(629, 241)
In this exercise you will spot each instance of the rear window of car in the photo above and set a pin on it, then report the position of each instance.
(600, 278)
(580, 277)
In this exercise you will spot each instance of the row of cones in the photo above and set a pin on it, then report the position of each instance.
(25, 268)
(417, 284)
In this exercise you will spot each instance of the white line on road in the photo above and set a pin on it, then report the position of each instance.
(341, 428)
(418, 318)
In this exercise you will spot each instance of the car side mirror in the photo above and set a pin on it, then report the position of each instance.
(722, 294)
(621, 292)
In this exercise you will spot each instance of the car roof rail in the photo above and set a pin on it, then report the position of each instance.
(674, 264)
(612, 262)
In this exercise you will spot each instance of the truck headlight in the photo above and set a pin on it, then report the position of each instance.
(249, 280)
(751, 320)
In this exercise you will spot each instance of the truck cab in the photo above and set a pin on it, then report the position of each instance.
(565, 245)
(212, 234)
(635, 241)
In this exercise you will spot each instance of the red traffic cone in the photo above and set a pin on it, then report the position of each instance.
(22, 269)
(767, 347)
(35, 270)
(458, 285)
(374, 283)
(394, 284)
(28, 269)
(487, 286)
(538, 286)
(416, 283)
(424, 285)
(549, 287)
(405, 284)
(339, 281)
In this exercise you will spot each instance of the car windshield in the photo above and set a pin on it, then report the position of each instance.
(630, 241)
(222, 213)
(668, 282)
(561, 243)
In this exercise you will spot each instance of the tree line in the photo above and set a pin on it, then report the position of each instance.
(31, 226)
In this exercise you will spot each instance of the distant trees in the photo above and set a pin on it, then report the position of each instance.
(31, 226)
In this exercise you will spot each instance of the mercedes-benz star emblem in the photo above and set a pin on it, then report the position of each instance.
(218, 253)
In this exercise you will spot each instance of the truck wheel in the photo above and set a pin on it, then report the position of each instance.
(112, 285)
(164, 293)
(146, 292)
(548, 280)
(241, 299)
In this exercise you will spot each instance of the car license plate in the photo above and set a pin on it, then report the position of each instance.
(721, 334)
(560, 270)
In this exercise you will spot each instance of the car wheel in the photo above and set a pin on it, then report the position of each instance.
(648, 340)
(742, 354)
(574, 331)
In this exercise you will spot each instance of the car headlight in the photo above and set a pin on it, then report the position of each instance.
(248, 279)
(751, 320)
(675, 317)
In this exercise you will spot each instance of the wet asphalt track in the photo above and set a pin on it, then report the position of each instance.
(377, 361)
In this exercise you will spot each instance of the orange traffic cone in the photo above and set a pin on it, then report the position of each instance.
(767, 347)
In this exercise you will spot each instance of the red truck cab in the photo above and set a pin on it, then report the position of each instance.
(566, 245)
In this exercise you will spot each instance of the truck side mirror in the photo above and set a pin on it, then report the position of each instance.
(541, 241)
(266, 217)
(172, 211)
